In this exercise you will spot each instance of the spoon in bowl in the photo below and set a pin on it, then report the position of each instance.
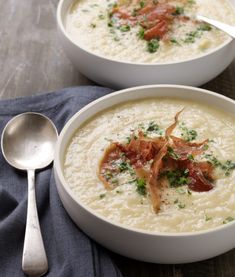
(229, 29)
(28, 142)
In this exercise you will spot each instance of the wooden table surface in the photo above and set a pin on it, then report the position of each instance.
(32, 62)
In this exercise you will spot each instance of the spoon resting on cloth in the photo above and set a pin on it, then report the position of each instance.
(28, 142)
(229, 29)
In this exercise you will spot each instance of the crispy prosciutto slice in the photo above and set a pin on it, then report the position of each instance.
(155, 17)
(141, 150)
(184, 148)
(154, 183)
(106, 167)
(161, 155)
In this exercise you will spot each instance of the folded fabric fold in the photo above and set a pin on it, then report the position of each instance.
(70, 252)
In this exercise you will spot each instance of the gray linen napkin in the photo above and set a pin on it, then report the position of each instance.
(70, 252)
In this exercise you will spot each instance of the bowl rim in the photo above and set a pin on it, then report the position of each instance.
(59, 168)
(203, 55)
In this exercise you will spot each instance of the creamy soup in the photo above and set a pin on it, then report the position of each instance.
(147, 31)
(182, 208)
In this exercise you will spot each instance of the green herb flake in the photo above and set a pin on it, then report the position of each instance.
(172, 153)
(191, 2)
(140, 186)
(142, 4)
(152, 45)
(154, 127)
(155, 2)
(228, 219)
(208, 218)
(123, 166)
(228, 166)
(141, 33)
(178, 10)
(125, 28)
(92, 25)
(187, 134)
(181, 206)
(101, 16)
(108, 175)
(176, 201)
(204, 27)
(102, 195)
(174, 41)
(191, 36)
(190, 157)
(177, 178)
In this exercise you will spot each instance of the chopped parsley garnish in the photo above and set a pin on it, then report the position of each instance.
(213, 160)
(153, 45)
(208, 218)
(191, 36)
(181, 206)
(101, 16)
(140, 186)
(93, 25)
(110, 24)
(172, 153)
(228, 219)
(108, 175)
(190, 157)
(187, 134)
(179, 10)
(191, 2)
(102, 195)
(125, 28)
(123, 166)
(227, 166)
(204, 27)
(154, 127)
(141, 33)
(142, 4)
(177, 177)
(128, 139)
(174, 41)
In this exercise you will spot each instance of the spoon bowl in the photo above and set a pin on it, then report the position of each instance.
(28, 142)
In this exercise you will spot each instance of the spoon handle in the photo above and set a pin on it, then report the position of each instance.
(220, 25)
(34, 261)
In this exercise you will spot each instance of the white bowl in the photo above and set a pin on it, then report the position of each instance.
(112, 73)
(143, 245)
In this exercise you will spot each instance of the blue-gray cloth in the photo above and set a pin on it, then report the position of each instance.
(70, 252)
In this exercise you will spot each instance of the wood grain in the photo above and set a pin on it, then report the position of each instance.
(32, 61)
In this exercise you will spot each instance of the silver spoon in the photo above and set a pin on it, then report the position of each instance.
(28, 142)
(229, 29)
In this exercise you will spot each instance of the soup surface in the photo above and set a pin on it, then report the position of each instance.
(147, 31)
(183, 208)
